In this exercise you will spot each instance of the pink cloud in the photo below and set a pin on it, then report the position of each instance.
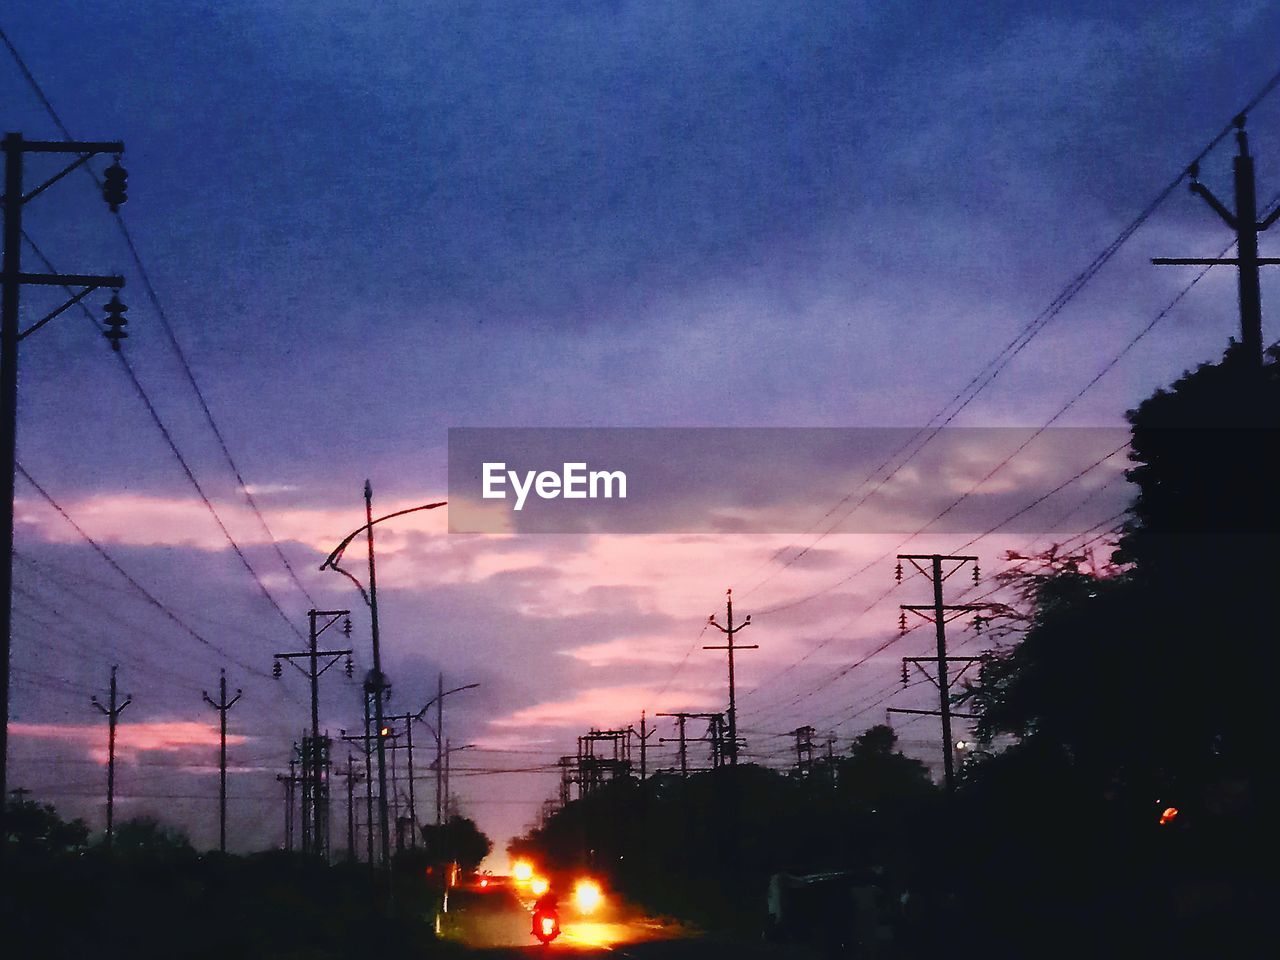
(603, 706)
(131, 738)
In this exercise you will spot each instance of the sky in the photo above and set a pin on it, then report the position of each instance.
(370, 223)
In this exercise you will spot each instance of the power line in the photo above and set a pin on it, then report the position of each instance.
(985, 376)
(128, 578)
(187, 471)
(170, 335)
(849, 668)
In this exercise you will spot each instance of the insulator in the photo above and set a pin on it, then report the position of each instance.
(902, 622)
(276, 670)
(976, 575)
(904, 673)
(346, 627)
(114, 181)
(897, 573)
(977, 623)
(351, 668)
(115, 321)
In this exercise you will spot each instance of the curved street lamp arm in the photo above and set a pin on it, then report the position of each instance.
(422, 712)
(331, 561)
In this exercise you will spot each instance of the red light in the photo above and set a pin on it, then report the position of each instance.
(1170, 814)
(548, 926)
(484, 883)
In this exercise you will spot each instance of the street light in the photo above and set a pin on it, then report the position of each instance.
(378, 679)
(447, 751)
(438, 731)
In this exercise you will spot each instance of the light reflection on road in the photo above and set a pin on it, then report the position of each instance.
(502, 920)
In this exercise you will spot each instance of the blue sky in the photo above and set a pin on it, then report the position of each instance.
(370, 223)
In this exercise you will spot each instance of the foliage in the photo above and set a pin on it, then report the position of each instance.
(703, 848)
(35, 826)
(458, 839)
(148, 837)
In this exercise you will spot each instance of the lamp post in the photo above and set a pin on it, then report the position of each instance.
(438, 731)
(377, 679)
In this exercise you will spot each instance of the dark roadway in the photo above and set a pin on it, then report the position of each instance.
(498, 925)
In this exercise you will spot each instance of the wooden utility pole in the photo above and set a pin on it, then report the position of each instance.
(1244, 221)
(643, 736)
(352, 776)
(939, 614)
(290, 782)
(12, 280)
(715, 731)
(804, 750)
(439, 731)
(730, 631)
(112, 713)
(222, 705)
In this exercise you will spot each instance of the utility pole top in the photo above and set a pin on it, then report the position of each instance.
(1246, 225)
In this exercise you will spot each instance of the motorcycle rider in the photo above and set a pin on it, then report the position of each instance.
(547, 905)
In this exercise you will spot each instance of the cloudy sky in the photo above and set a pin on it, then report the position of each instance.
(369, 223)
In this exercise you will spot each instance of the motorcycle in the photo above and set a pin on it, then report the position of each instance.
(546, 925)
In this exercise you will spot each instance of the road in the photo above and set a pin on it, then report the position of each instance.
(496, 924)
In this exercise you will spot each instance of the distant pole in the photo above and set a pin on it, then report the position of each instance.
(395, 799)
(351, 808)
(645, 734)
(222, 705)
(730, 631)
(315, 753)
(447, 751)
(291, 794)
(112, 713)
(368, 781)
(439, 746)
(680, 719)
(287, 781)
(1244, 221)
(413, 804)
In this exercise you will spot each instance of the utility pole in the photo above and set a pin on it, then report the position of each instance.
(730, 631)
(112, 713)
(643, 736)
(290, 782)
(315, 753)
(939, 614)
(439, 732)
(222, 705)
(352, 776)
(1244, 221)
(379, 682)
(804, 750)
(367, 749)
(12, 279)
(715, 731)
(407, 719)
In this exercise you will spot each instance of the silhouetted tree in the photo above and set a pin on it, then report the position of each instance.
(147, 837)
(35, 826)
(457, 839)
